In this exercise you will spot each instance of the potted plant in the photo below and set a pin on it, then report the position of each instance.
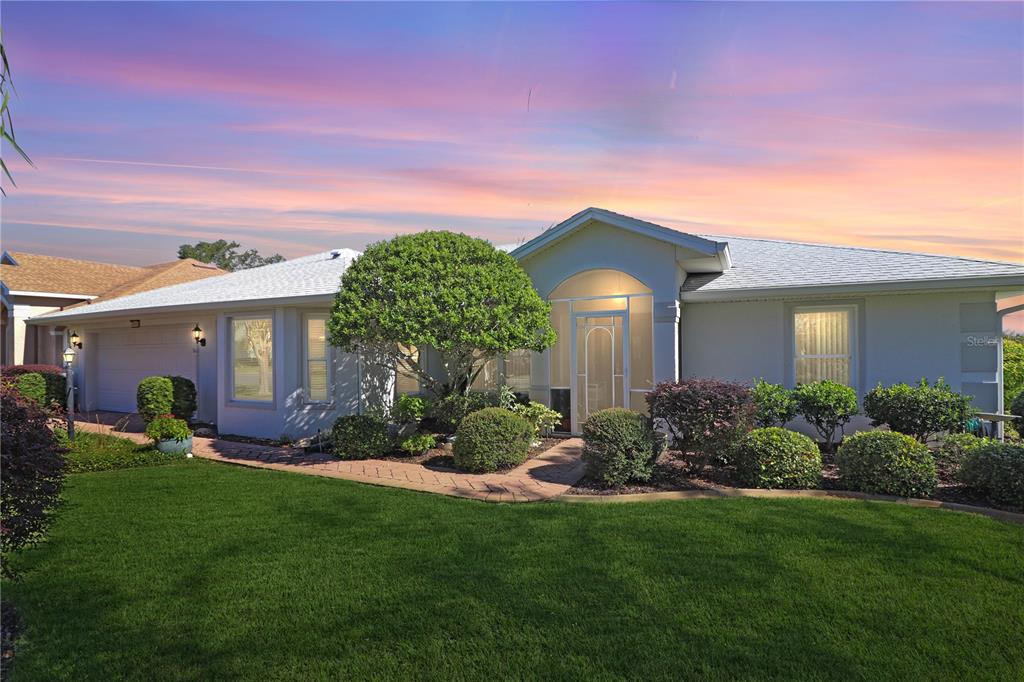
(170, 435)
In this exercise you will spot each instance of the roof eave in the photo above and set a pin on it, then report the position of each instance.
(995, 283)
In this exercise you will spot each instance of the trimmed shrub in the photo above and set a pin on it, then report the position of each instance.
(31, 473)
(409, 409)
(154, 397)
(886, 462)
(774, 404)
(448, 412)
(360, 436)
(954, 449)
(56, 382)
(827, 406)
(183, 397)
(619, 446)
(774, 457)
(33, 387)
(996, 470)
(102, 451)
(920, 411)
(168, 427)
(1017, 410)
(704, 416)
(418, 444)
(490, 439)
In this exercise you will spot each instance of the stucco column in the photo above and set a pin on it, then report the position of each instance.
(666, 341)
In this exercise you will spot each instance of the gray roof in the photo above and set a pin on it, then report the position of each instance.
(309, 276)
(760, 264)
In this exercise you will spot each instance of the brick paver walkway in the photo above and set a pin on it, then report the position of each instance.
(546, 476)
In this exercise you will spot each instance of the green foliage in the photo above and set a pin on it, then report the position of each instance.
(449, 411)
(100, 452)
(56, 382)
(954, 449)
(183, 397)
(920, 411)
(827, 406)
(1017, 410)
(226, 256)
(775, 404)
(409, 409)
(1013, 367)
(886, 462)
(154, 397)
(360, 436)
(540, 416)
(6, 121)
(491, 439)
(418, 443)
(456, 294)
(166, 427)
(774, 457)
(619, 446)
(33, 387)
(997, 471)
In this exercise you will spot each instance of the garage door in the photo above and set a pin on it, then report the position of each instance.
(126, 357)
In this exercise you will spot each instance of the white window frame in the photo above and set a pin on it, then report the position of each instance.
(273, 360)
(851, 311)
(328, 360)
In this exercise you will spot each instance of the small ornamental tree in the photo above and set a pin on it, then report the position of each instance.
(31, 473)
(827, 406)
(774, 403)
(920, 411)
(456, 294)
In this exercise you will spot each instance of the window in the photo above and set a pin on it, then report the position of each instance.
(252, 359)
(317, 360)
(517, 371)
(407, 382)
(824, 344)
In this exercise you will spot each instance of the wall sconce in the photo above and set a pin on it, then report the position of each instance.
(197, 334)
(76, 340)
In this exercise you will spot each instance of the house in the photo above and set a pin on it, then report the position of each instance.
(634, 303)
(32, 284)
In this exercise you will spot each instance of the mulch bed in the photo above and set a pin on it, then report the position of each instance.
(441, 456)
(670, 473)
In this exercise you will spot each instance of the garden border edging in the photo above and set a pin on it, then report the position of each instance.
(710, 493)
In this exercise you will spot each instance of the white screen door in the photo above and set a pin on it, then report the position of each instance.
(599, 361)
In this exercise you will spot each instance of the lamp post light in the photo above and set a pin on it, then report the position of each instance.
(197, 334)
(76, 340)
(69, 374)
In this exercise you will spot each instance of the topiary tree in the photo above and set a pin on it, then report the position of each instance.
(456, 294)
(774, 404)
(31, 473)
(827, 406)
(920, 411)
(154, 397)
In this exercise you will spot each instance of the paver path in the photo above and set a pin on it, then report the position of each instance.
(545, 476)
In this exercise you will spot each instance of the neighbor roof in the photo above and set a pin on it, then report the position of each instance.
(767, 266)
(84, 278)
(318, 275)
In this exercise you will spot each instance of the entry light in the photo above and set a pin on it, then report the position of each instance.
(76, 340)
(69, 355)
(197, 334)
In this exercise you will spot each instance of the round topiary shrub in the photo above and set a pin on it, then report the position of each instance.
(996, 471)
(154, 397)
(619, 446)
(491, 439)
(360, 436)
(774, 457)
(886, 462)
(33, 387)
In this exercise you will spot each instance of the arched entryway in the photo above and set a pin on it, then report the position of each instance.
(603, 356)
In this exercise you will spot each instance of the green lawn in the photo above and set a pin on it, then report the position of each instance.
(198, 571)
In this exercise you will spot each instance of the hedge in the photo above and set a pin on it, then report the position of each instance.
(774, 457)
(619, 446)
(886, 462)
(997, 471)
(360, 436)
(490, 439)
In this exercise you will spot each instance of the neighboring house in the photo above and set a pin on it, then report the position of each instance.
(33, 284)
(634, 303)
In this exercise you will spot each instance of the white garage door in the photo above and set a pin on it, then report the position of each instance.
(127, 357)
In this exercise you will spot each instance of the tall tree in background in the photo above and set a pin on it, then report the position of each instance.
(6, 122)
(226, 256)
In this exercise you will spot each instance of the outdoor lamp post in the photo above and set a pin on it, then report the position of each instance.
(197, 334)
(69, 374)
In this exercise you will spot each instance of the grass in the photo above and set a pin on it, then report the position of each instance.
(199, 571)
(100, 452)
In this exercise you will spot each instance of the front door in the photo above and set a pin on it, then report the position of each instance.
(599, 353)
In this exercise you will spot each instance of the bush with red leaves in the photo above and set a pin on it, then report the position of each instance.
(31, 473)
(704, 417)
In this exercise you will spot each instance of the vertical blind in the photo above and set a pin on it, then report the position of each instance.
(823, 346)
(316, 360)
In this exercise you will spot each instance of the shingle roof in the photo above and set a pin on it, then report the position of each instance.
(316, 275)
(51, 274)
(771, 264)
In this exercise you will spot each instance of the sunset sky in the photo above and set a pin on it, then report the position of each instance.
(300, 127)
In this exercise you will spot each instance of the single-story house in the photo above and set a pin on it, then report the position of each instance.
(634, 304)
(32, 284)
